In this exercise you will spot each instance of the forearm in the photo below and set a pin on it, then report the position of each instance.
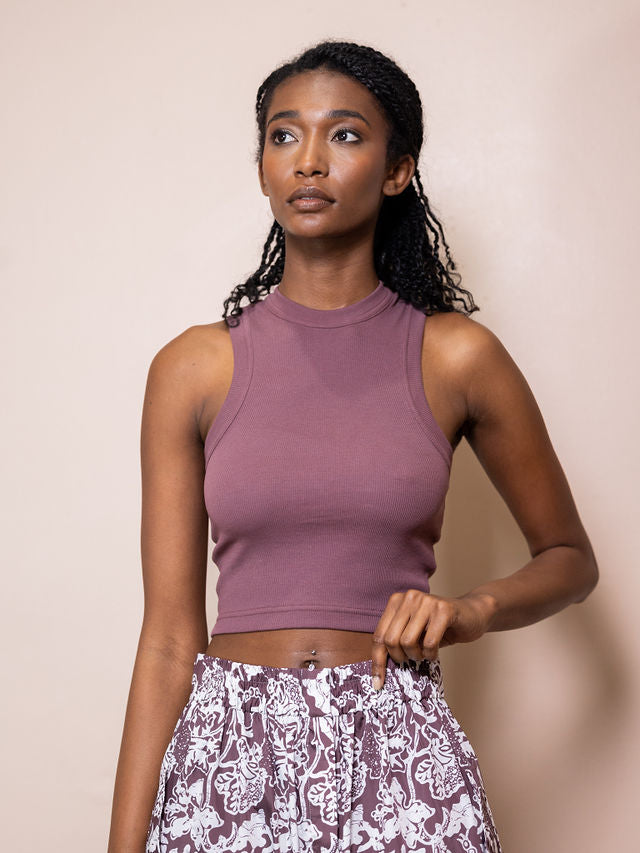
(548, 583)
(160, 687)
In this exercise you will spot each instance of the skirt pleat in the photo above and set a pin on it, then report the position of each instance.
(292, 760)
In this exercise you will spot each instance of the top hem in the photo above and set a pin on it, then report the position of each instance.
(298, 617)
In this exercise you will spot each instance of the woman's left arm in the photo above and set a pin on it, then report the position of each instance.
(507, 433)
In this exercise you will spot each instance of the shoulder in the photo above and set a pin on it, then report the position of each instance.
(191, 351)
(464, 345)
(474, 363)
(184, 369)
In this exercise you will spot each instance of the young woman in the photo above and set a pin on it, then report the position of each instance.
(314, 429)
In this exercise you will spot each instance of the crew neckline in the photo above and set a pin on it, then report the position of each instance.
(363, 309)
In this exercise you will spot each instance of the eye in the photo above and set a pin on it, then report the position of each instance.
(348, 130)
(281, 131)
(276, 133)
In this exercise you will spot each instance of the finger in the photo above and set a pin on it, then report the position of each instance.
(411, 640)
(406, 626)
(378, 662)
(380, 652)
(438, 624)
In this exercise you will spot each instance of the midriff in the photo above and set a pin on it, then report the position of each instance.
(293, 647)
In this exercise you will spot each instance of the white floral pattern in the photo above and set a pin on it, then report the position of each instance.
(285, 760)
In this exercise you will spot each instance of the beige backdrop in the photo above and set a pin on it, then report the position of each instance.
(131, 208)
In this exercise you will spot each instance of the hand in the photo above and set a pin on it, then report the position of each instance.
(415, 624)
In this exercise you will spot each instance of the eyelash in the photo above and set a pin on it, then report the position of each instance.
(280, 130)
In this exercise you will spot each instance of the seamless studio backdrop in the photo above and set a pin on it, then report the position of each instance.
(131, 208)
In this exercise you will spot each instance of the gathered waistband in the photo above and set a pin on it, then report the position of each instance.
(311, 692)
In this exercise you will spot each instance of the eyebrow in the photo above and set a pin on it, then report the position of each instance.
(331, 114)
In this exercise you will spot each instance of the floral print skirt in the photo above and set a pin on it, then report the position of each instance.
(275, 759)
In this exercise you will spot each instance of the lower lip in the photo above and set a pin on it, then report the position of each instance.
(310, 203)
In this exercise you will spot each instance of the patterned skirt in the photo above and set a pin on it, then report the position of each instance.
(275, 759)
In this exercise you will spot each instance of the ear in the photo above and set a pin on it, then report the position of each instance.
(261, 179)
(399, 176)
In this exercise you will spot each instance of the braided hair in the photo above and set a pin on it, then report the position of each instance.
(409, 239)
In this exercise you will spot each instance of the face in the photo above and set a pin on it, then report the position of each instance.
(342, 155)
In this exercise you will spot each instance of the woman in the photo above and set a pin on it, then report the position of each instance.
(315, 430)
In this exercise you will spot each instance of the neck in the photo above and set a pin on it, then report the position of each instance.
(327, 273)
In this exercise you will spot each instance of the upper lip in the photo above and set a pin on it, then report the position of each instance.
(309, 192)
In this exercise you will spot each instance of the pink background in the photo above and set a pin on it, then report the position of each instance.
(130, 208)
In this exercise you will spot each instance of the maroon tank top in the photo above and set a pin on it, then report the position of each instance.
(326, 472)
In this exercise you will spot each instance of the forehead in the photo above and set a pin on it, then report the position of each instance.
(312, 93)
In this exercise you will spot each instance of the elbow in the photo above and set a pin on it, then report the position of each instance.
(589, 576)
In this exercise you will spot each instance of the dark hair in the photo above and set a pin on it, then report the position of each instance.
(408, 238)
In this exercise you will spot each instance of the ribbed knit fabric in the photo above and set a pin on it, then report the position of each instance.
(326, 472)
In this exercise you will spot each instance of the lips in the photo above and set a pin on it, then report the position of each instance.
(309, 192)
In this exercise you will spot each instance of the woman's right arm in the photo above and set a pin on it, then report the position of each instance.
(174, 528)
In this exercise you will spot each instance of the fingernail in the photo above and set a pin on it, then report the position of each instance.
(377, 682)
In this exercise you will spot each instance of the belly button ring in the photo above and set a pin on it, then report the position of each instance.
(312, 665)
(313, 651)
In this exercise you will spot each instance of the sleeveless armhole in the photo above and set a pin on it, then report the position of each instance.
(413, 373)
(240, 380)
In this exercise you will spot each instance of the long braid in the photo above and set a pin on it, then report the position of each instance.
(409, 239)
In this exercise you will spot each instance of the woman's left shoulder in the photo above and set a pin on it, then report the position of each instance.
(479, 367)
(465, 343)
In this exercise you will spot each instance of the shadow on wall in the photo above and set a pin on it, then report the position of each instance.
(541, 705)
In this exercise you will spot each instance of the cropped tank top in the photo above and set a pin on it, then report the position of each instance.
(325, 470)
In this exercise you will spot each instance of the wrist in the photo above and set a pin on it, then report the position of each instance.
(486, 604)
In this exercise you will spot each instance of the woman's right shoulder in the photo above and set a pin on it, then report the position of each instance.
(191, 366)
(192, 350)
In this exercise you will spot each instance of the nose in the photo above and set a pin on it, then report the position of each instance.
(311, 157)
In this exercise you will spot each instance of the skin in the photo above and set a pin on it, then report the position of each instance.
(474, 389)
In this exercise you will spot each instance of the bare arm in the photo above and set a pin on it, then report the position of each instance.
(504, 427)
(174, 556)
(508, 435)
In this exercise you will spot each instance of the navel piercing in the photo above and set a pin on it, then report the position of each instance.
(313, 651)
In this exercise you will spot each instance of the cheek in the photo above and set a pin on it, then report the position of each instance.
(364, 182)
(362, 194)
(272, 171)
